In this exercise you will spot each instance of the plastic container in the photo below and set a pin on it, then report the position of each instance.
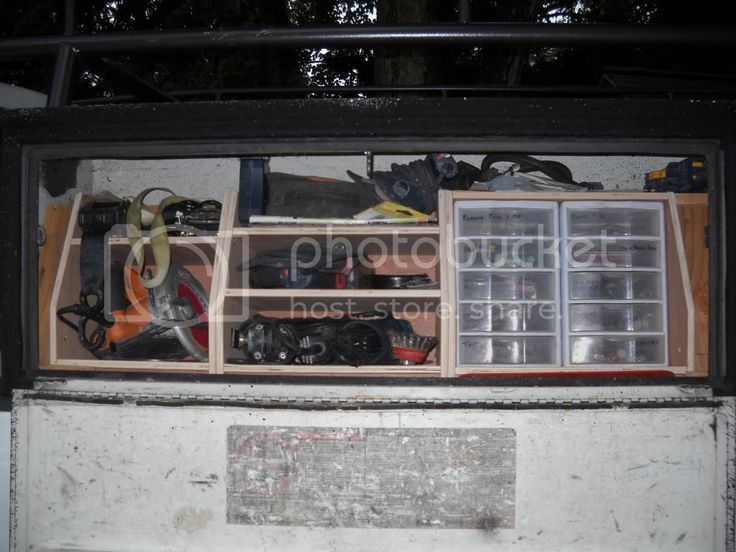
(615, 286)
(612, 317)
(614, 350)
(585, 253)
(507, 266)
(506, 221)
(507, 350)
(614, 295)
(613, 221)
(508, 317)
(522, 286)
(522, 253)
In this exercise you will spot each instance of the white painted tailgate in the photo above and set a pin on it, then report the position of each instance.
(125, 472)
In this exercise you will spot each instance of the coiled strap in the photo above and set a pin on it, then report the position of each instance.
(159, 238)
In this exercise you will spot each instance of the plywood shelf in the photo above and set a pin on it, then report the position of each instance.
(333, 370)
(339, 293)
(586, 368)
(588, 372)
(560, 196)
(173, 240)
(405, 230)
(355, 300)
(131, 365)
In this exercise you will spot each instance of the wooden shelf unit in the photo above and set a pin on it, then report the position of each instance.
(64, 352)
(389, 249)
(232, 301)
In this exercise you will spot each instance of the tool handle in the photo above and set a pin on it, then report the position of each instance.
(117, 287)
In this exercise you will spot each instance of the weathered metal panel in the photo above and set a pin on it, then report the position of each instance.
(141, 476)
(353, 394)
(371, 477)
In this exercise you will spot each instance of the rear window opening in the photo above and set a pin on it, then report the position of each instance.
(387, 265)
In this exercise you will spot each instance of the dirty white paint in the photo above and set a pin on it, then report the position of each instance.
(84, 185)
(192, 177)
(129, 477)
(189, 175)
(4, 481)
(402, 478)
(17, 97)
(408, 394)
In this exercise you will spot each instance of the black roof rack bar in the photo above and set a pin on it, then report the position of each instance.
(61, 81)
(532, 34)
(435, 90)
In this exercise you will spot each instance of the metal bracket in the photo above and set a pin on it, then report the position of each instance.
(41, 235)
(369, 164)
(250, 198)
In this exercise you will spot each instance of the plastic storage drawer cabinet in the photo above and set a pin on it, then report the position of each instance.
(507, 267)
(615, 308)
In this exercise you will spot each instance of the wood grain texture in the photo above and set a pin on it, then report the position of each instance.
(219, 283)
(58, 343)
(680, 317)
(693, 212)
(55, 224)
(448, 345)
(560, 196)
(63, 342)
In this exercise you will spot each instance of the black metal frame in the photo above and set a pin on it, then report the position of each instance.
(443, 91)
(582, 126)
(337, 36)
(69, 45)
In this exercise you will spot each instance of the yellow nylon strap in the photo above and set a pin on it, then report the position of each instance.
(159, 238)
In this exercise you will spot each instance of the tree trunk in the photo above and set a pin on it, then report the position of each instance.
(506, 65)
(403, 66)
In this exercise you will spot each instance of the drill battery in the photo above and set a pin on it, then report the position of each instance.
(688, 175)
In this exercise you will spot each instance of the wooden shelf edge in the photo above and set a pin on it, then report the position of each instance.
(684, 275)
(515, 368)
(340, 293)
(173, 240)
(346, 230)
(559, 196)
(137, 365)
(692, 198)
(332, 370)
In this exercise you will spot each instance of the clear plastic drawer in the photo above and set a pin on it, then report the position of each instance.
(602, 317)
(508, 317)
(539, 286)
(506, 221)
(616, 253)
(617, 350)
(506, 253)
(614, 285)
(613, 222)
(507, 350)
